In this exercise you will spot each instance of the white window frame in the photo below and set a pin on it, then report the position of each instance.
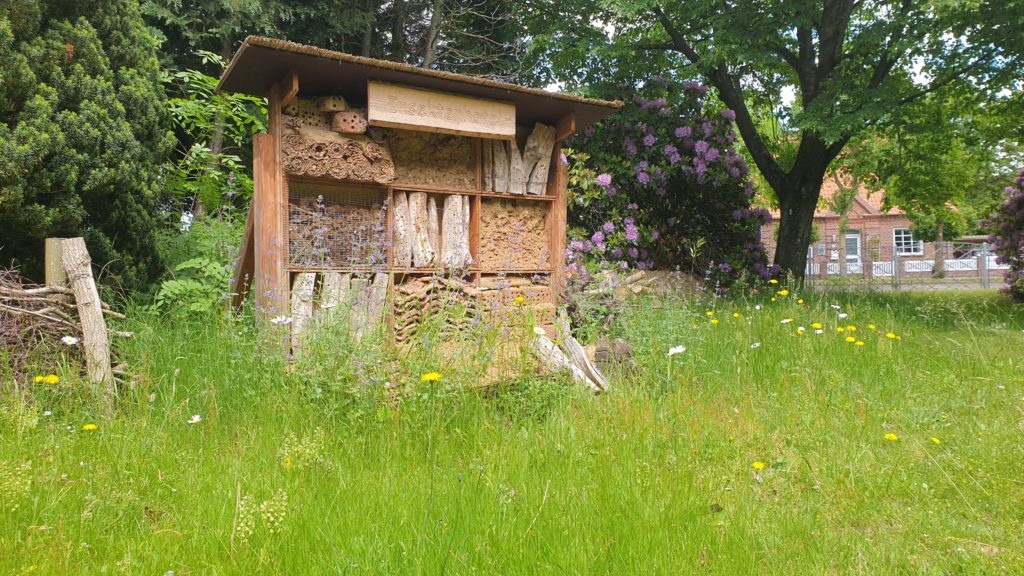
(853, 236)
(900, 242)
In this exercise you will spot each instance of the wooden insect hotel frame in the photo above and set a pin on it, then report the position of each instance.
(377, 183)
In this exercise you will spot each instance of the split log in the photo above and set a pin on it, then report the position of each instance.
(465, 255)
(302, 307)
(553, 359)
(537, 158)
(357, 314)
(377, 297)
(433, 233)
(487, 162)
(575, 352)
(78, 269)
(501, 165)
(516, 171)
(403, 231)
(419, 216)
(333, 294)
(454, 232)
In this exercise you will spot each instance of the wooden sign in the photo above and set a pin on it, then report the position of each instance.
(394, 106)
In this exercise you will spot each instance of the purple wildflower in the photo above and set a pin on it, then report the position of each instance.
(604, 179)
(608, 228)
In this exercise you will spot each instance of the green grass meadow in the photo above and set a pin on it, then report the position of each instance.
(902, 455)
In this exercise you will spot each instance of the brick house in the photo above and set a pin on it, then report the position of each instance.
(873, 234)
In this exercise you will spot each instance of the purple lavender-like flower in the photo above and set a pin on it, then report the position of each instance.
(604, 179)
(725, 267)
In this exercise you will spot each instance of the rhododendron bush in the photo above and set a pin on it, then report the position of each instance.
(1007, 224)
(660, 185)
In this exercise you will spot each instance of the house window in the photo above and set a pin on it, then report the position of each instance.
(852, 246)
(903, 242)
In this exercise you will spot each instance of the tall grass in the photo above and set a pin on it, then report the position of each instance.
(314, 468)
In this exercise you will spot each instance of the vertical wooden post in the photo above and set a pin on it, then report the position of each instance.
(558, 223)
(55, 275)
(78, 267)
(269, 212)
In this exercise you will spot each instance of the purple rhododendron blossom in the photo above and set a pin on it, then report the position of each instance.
(634, 253)
(631, 206)
(725, 267)
(643, 177)
(649, 140)
(712, 155)
(632, 233)
(617, 253)
(604, 179)
(700, 147)
(728, 114)
(630, 146)
(655, 234)
(608, 228)
(565, 161)
(629, 221)
(683, 131)
(597, 238)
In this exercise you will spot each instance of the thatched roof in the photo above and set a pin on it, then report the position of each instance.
(260, 62)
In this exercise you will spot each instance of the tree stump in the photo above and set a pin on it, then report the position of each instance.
(78, 269)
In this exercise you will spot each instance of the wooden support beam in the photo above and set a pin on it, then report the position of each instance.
(290, 87)
(565, 127)
(558, 186)
(54, 270)
(245, 265)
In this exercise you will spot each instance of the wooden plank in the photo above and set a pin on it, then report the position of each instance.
(537, 158)
(264, 224)
(474, 229)
(565, 127)
(54, 269)
(279, 246)
(516, 172)
(77, 266)
(501, 166)
(395, 106)
(302, 307)
(486, 165)
(290, 86)
(558, 187)
(245, 265)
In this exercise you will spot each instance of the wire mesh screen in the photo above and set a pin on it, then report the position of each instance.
(336, 227)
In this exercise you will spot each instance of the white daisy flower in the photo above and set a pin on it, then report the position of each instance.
(843, 315)
(757, 306)
(69, 340)
(755, 345)
(676, 350)
(195, 419)
(819, 331)
(836, 306)
(538, 331)
(786, 321)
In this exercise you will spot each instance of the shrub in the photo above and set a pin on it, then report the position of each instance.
(660, 184)
(1007, 225)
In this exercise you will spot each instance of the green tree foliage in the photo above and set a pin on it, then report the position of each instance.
(852, 65)
(82, 133)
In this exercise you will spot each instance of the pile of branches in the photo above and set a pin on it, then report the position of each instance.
(37, 318)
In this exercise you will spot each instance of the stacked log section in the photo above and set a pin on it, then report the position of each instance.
(335, 229)
(506, 169)
(455, 232)
(513, 235)
(403, 231)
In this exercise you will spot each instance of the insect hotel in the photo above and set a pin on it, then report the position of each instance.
(380, 186)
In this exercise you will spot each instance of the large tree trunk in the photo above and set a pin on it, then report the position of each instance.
(939, 268)
(798, 199)
(430, 45)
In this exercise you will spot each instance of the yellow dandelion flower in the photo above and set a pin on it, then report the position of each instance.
(38, 379)
(800, 301)
(871, 326)
(90, 427)
(757, 465)
(695, 325)
(430, 377)
(714, 321)
(840, 329)
(936, 440)
(851, 328)
(288, 462)
(519, 299)
(799, 331)
(851, 339)
(890, 335)
(891, 437)
(773, 281)
(859, 342)
(816, 325)
(783, 293)
(735, 314)
(51, 379)
(773, 298)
